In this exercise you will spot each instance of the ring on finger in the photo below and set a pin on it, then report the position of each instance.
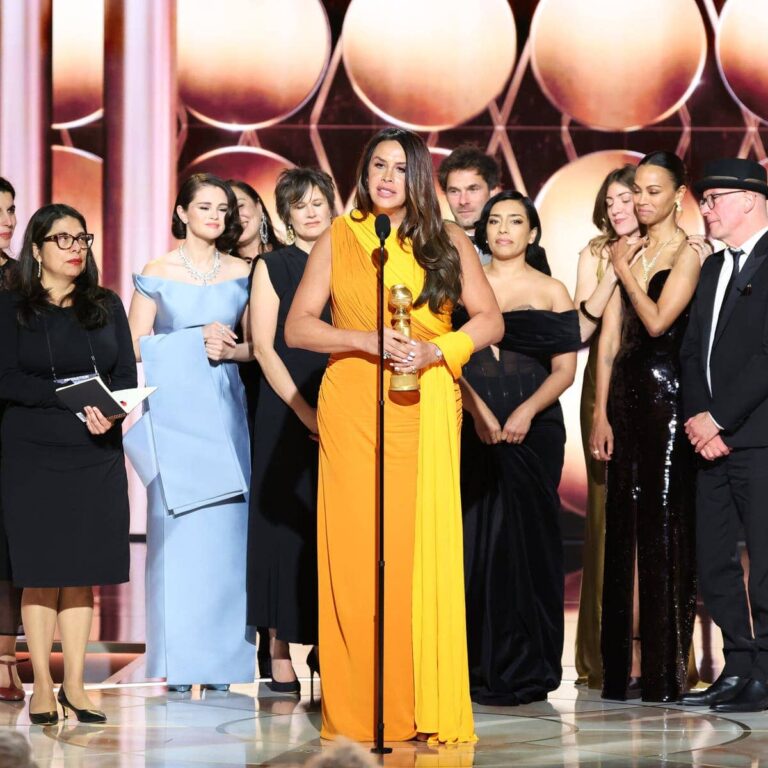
(386, 355)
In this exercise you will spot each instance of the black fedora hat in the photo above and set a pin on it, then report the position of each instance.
(733, 173)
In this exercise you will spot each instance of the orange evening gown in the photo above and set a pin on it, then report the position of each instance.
(426, 686)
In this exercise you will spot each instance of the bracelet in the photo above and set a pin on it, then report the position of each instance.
(584, 311)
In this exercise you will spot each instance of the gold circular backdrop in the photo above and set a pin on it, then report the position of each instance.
(618, 65)
(258, 167)
(247, 64)
(428, 64)
(565, 205)
(77, 55)
(740, 47)
(76, 177)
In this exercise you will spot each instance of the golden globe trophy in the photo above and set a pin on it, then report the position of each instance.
(401, 300)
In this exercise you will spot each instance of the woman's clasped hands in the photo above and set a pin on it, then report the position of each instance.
(403, 354)
(220, 341)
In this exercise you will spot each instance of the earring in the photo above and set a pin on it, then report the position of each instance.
(39, 268)
(263, 230)
(290, 235)
(679, 206)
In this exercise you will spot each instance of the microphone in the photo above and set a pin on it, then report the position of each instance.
(383, 227)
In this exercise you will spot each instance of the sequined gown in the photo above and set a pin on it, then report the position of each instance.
(650, 509)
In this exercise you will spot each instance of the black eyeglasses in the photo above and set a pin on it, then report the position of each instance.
(710, 200)
(64, 240)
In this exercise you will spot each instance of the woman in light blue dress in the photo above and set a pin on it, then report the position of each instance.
(191, 447)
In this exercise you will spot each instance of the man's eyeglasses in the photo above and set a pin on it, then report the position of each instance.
(710, 200)
(64, 240)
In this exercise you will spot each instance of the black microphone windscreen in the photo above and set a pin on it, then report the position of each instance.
(383, 226)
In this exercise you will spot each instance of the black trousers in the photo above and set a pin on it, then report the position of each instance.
(729, 490)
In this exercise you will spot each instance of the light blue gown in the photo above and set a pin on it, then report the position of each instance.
(197, 516)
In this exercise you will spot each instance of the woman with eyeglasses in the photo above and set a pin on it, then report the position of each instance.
(64, 486)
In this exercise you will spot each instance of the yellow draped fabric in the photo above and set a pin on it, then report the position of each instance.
(427, 683)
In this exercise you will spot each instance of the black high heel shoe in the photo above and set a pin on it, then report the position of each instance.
(292, 686)
(313, 662)
(262, 655)
(82, 715)
(42, 718)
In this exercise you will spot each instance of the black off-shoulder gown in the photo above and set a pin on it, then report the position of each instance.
(650, 509)
(64, 491)
(513, 556)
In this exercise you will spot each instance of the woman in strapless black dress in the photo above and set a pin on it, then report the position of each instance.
(649, 588)
(511, 460)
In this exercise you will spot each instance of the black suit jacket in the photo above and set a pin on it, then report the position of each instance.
(739, 360)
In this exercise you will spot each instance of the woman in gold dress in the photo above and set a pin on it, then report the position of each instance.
(614, 216)
(426, 685)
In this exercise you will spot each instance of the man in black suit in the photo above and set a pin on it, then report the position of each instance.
(725, 395)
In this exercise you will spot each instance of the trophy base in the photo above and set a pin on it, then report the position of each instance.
(404, 382)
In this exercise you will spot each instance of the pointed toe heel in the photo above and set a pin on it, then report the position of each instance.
(82, 715)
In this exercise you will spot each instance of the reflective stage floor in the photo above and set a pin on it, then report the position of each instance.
(251, 726)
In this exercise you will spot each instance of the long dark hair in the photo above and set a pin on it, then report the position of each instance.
(273, 242)
(535, 255)
(432, 246)
(227, 240)
(89, 300)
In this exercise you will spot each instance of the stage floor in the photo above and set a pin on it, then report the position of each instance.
(250, 726)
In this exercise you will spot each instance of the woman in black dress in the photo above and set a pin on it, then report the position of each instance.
(10, 596)
(511, 461)
(638, 429)
(64, 487)
(282, 536)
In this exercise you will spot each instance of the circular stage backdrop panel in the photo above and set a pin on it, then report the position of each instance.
(740, 47)
(245, 64)
(76, 179)
(618, 65)
(428, 64)
(77, 61)
(565, 205)
(258, 167)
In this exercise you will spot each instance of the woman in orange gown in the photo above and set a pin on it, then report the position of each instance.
(426, 685)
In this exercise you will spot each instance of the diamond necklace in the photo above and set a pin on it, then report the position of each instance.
(204, 277)
(649, 265)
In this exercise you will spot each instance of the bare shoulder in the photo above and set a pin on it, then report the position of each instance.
(235, 266)
(159, 267)
(458, 235)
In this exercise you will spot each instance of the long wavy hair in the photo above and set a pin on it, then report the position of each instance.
(273, 242)
(89, 300)
(535, 255)
(433, 248)
(227, 240)
(624, 176)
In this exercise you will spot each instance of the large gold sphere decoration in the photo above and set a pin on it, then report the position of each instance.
(618, 66)
(740, 46)
(565, 205)
(78, 61)
(429, 64)
(247, 64)
(76, 177)
(258, 167)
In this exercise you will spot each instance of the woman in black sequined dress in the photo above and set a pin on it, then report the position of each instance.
(511, 460)
(649, 588)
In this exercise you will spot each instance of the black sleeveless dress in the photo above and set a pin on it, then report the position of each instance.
(282, 522)
(513, 556)
(650, 509)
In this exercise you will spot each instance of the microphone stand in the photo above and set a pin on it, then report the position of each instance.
(379, 748)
